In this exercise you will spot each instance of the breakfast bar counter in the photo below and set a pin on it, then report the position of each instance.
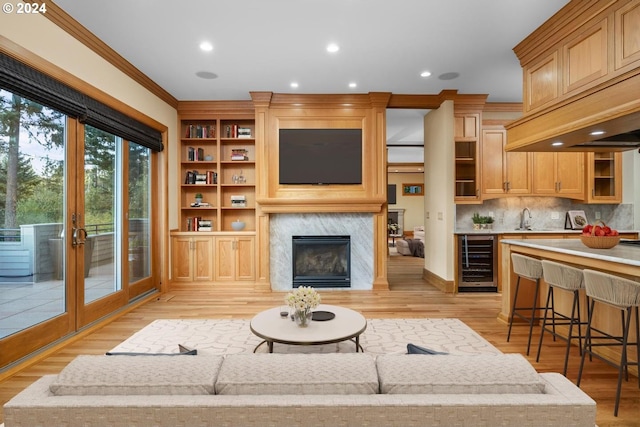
(622, 260)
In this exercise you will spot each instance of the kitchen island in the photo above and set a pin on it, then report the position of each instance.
(622, 260)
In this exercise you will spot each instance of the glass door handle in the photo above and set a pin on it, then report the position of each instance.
(79, 234)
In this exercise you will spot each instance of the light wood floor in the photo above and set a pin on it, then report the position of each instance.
(409, 296)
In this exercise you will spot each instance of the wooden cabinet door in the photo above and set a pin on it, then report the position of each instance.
(544, 176)
(570, 174)
(235, 258)
(245, 258)
(518, 172)
(225, 259)
(202, 258)
(493, 167)
(191, 258)
(181, 259)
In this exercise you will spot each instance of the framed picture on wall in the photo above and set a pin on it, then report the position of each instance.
(413, 189)
(575, 220)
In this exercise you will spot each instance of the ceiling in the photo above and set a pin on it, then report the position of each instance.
(261, 45)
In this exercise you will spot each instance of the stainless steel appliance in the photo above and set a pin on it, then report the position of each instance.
(477, 263)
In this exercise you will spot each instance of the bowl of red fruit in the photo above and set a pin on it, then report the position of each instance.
(599, 236)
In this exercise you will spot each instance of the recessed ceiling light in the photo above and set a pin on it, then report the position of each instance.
(206, 47)
(353, 85)
(557, 143)
(425, 74)
(294, 85)
(333, 48)
(597, 132)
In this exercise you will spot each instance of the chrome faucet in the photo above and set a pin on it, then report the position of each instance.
(524, 223)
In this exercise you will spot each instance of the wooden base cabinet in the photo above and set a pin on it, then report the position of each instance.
(235, 258)
(191, 258)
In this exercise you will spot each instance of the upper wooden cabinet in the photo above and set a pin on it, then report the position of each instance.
(604, 178)
(558, 174)
(503, 173)
(581, 70)
(594, 48)
(467, 153)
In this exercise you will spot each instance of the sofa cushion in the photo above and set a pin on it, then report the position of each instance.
(126, 375)
(457, 374)
(264, 374)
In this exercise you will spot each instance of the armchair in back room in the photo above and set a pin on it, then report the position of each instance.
(418, 233)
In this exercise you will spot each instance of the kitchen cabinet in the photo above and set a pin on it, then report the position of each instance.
(467, 164)
(191, 257)
(604, 178)
(235, 258)
(503, 173)
(558, 174)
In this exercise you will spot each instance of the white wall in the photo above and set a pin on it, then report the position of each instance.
(439, 208)
(413, 205)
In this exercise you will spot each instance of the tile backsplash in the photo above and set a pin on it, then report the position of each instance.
(506, 212)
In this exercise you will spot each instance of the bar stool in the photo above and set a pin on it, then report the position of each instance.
(624, 295)
(531, 269)
(569, 279)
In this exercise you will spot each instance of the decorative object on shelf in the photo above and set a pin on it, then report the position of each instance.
(302, 300)
(238, 178)
(238, 225)
(482, 222)
(198, 198)
(599, 236)
(208, 158)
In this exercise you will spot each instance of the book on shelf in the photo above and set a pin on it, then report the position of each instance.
(201, 179)
(197, 223)
(200, 205)
(239, 201)
(231, 131)
(212, 177)
(195, 154)
(239, 154)
(244, 132)
(200, 131)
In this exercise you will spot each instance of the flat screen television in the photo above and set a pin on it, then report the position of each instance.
(320, 156)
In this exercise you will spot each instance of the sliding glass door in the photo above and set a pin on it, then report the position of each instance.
(76, 240)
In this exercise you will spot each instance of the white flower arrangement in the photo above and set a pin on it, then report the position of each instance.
(303, 298)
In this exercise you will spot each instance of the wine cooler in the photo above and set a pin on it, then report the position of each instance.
(478, 264)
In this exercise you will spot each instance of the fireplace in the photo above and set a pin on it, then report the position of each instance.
(321, 261)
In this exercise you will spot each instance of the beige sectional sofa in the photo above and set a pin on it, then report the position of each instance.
(301, 390)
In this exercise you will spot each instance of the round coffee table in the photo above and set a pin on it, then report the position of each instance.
(346, 325)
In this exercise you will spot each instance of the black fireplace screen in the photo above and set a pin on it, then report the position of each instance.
(321, 261)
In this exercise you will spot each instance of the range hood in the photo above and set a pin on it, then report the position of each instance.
(600, 120)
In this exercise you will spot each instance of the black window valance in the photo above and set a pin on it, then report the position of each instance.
(30, 83)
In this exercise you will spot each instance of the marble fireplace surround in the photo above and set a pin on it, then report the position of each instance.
(282, 226)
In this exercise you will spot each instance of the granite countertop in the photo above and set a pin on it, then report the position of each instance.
(623, 254)
(533, 231)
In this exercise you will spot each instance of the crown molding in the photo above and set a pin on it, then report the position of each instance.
(63, 20)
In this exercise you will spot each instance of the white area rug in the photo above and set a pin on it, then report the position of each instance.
(382, 336)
